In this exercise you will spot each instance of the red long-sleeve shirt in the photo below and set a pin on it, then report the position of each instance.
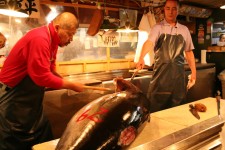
(32, 55)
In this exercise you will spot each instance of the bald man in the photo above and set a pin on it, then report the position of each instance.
(28, 69)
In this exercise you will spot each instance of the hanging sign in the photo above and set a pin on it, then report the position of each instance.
(108, 39)
(32, 7)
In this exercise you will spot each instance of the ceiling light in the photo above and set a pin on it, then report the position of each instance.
(12, 9)
(222, 7)
(128, 27)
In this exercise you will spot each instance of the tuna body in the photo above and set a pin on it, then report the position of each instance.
(109, 122)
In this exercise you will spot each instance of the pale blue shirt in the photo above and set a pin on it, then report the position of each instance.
(165, 27)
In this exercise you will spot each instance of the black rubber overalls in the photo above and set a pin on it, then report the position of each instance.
(22, 121)
(167, 87)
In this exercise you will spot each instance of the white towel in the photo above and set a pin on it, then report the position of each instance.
(144, 24)
(151, 19)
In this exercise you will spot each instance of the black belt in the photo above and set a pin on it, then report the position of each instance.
(4, 87)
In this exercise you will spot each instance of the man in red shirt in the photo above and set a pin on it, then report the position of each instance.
(28, 69)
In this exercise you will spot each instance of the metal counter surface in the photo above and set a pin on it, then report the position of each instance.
(170, 126)
(206, 77)
(183, 125)
(125, 73)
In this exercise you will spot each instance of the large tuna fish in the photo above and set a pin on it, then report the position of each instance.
(109, 122)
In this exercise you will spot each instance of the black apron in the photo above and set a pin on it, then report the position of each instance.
(22, 121)
(168, 87)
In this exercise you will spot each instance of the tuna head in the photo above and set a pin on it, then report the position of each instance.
(124, 85)
(109, 122)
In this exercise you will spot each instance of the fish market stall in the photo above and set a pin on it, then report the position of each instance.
(175, 128)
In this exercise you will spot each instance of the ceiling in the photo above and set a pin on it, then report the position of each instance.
(200, 9)
(137, 4)
(205, 3)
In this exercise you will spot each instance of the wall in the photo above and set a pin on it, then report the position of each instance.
(207, 42)
(218, 15)
(75, 67)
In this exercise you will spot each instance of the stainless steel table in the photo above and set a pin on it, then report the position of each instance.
(174, 128)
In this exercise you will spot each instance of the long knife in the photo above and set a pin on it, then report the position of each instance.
(134, 74)
(218, 97)
(194, 111)
(97, 88)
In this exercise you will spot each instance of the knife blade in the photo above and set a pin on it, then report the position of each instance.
(194, 111)
(218, 97)
(134, 74)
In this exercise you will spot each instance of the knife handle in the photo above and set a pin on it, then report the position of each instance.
(97, 88)
(191, 106)
(218, 97)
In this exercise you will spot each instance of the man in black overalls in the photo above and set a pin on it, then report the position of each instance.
(28, 69)
(170, 40)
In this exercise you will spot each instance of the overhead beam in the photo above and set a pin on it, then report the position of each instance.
(109, 6)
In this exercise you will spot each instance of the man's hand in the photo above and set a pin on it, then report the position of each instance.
(78, 87)
(191, 82)
(140, 64)
(75, 86)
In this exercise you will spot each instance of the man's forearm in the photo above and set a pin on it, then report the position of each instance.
(145, 49)
(56, 73)
(191, 62)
